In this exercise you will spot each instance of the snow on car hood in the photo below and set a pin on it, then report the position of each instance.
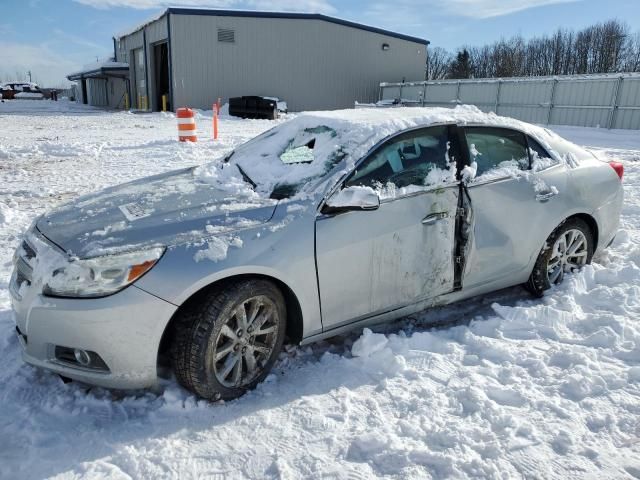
(162, 210)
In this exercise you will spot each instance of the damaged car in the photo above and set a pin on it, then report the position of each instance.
(327, 222)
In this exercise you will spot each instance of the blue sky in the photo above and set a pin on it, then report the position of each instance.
(54, 37)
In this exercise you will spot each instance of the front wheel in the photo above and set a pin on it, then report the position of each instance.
(226, 343)
(568, 248)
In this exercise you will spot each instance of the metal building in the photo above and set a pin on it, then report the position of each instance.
(102, 84)
(194, 56)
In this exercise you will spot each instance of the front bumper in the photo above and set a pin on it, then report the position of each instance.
(124, 329)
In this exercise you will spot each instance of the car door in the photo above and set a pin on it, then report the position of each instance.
(514, 208)
(371, 262)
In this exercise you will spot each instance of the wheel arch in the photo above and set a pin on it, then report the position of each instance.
(533, 283)
(591, 223)
(294, 328)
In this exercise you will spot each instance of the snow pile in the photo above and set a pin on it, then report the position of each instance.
(6, 214)
(217, 248)
(507, 387)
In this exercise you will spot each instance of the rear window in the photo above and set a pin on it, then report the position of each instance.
(570, 152)
(537, 150)
(540, 157)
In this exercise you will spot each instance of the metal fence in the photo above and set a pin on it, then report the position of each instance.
(609, 101)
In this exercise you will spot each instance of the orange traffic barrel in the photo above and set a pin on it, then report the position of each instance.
(186, 125)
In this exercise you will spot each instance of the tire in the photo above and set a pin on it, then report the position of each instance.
(213, 328)
(544, 274)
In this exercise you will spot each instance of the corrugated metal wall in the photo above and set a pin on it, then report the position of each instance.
(141, 85)
(312, 64)
(116, 89)
(127, 43)
(97, 92)
(156, 32)
(611, 101)
(102, 92)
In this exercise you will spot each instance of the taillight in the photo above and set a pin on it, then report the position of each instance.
(618, 167)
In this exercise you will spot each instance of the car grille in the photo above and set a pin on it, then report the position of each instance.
(23, 271)
(29, 252)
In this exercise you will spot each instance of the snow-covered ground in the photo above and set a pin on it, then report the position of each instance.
(507, 387)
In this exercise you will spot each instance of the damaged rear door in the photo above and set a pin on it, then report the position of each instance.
(512, 206)
(372, 262)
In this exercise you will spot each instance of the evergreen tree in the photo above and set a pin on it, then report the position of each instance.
(461, 66)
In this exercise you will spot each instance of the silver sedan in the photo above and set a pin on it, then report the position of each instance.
(328, 222)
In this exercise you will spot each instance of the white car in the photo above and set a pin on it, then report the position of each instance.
(331, 221)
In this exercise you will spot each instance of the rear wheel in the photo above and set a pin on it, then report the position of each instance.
(227, 343)
(568, 248)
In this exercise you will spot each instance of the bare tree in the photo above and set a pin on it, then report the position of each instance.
(601, 48)
(631, 54)
(438, 61)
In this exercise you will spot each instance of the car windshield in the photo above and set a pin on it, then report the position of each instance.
(281, 161)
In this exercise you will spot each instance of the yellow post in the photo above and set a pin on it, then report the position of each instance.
(126, 101)
(164, 103)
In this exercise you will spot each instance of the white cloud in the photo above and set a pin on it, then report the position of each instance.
(491, 8)
(77, 40)
(413, 10)
(315, 6)
(46, 66)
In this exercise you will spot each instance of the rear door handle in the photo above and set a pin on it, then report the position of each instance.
(434, 217)
(545, 197)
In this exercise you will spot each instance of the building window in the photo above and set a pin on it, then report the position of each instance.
(226, 35)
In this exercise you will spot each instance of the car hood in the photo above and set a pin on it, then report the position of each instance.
(162, 210)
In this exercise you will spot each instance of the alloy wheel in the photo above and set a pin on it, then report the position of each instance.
(245, 342)
(569, 253)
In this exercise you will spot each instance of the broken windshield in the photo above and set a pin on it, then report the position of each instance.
(280, 162)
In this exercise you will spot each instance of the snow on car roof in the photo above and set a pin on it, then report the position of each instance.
(338, 135)
(11, 85)
(401, 118)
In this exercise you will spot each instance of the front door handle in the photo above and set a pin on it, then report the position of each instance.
(545, 197)
(434, 217)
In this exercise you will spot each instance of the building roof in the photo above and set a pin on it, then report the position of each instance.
(260, 14)
(104, 69)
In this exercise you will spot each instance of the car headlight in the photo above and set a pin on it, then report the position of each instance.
(100, 276)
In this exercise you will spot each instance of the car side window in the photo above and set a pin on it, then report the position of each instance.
(496, 148)
(412, 158)
(537, 151)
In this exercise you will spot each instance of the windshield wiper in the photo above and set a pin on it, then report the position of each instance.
(245, 177)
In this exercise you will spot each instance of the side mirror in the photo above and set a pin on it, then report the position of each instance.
(353, 198)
